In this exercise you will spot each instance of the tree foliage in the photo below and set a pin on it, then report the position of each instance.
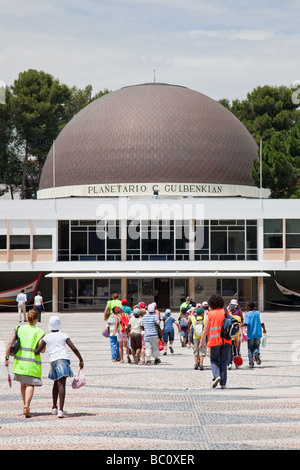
(38, 106)
(271, 116)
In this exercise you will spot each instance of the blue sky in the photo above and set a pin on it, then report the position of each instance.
(223, 49)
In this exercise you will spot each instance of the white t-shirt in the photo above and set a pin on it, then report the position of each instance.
(38, 300)
(56, 345)
(135, 324)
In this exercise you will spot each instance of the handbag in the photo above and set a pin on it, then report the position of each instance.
(79, 380)
(105, 332)
(15, 344)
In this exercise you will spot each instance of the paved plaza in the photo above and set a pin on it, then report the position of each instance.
(169, 406)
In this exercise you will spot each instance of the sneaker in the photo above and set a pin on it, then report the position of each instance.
(229, 366)
(54, 411)
(216, 381)
(223, 386)
(201, 367)
(251, 365)
(196, 367)
(60, 414)
(171, 350)
(157, 361)
(257, 358)
(148, 363)
(165, 353)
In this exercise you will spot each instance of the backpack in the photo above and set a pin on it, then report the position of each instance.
(124, 320)
(183, 321)
(230, 327)
(198, 327)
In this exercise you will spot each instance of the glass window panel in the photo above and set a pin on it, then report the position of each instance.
(101, 288)
(63, 234)
(149, 247)
(272, 225)
(236, 242)
(19, 242)
(79, 243)
(251, 234)
(272, 241)
(85, 287)
(115, 286)
(292, 225)
(147, 287)
(3, 243)
(229, 287)
(293, 241)
(218, 242)
(96, 245)
(42, 242)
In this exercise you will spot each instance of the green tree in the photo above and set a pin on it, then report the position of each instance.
(272, 117)
(38, 113)
(39, 106)
(10, 163)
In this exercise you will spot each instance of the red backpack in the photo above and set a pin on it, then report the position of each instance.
(124, 320)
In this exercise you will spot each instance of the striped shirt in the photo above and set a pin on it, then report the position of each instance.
(148, 321)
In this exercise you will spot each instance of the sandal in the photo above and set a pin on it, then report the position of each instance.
(26, 411)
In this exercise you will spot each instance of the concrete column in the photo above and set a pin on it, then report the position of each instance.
(192, 240)
(191, 290)
(124, 288)
(123, 223)
(55, 294)
(260, 293)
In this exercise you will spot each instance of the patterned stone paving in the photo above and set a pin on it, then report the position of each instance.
(169, 406)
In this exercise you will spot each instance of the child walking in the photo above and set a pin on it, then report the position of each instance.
(59, 361)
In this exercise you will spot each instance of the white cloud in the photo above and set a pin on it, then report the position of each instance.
(223, 49)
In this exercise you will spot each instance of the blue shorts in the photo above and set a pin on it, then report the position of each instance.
(168, 336)
(60, 368)
(184, 334)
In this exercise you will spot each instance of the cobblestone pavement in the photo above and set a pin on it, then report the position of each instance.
(169, 406)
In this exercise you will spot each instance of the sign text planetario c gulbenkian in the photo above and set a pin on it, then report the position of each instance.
(149, 189)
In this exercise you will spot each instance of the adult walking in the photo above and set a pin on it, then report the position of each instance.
(219, 347)
(114, 302)
(39, 304)
(151, 338)
(27, 365)
(22, 299)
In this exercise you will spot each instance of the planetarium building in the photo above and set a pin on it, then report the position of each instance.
(148, 192)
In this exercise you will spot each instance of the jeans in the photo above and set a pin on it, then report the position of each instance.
(218, 360)
(114, 347)
(253, 348)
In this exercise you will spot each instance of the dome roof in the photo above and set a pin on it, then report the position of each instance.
(152, 133)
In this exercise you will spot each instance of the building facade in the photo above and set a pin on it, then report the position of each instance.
(148, 192)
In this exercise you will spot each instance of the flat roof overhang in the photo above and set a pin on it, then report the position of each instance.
(147, 274)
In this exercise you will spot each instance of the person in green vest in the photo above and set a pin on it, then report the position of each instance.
(187, 304)
(114, 302)
(27, 366)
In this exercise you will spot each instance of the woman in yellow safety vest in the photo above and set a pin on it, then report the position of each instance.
(27, 366)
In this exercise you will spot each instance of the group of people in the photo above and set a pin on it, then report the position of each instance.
(38, 304)
(136, 332)
(27, 366)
